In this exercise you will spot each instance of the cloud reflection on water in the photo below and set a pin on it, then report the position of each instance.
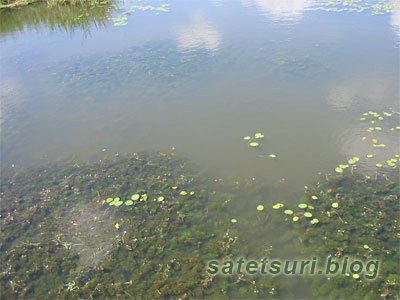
(281, 10)
(395, 19)
(198, 34)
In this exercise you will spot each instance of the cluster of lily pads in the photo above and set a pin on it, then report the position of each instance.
(296, 216)
(141, 197)
(351, 161)
(122, 20)
(252, 143)
(375, 117)
(376, 7)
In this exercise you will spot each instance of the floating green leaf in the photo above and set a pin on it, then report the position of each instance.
(117, 226)
(118, 203)
(246, 138)
(234, 221)
(258, 135)
(129, 202)
(135, 197)
(277, 206)
(295, 219)
(353, 160)
(109, 200)
(335, 205)
(160, 199)
(253, 144)
(183, 193)
(260, 207)
(379, 165)
(308, 214)
(288, 212)
(314, 197)
(338, 170)
(272, 155)
(302, 205)
(366, 247)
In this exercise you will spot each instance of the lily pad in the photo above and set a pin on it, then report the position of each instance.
(338, 170)
(109, 200)
(308, 214)
(183, 193)
(260, 207)
(379, 165)
(160, 199)
(258, 135)
(302, 205)
(288, 212)
(353, 160)
(129, 202)
(253, 144)
(118, 203)
(234, 221)
(314, 197)
(135, 197)
(278, 206)
(335, 205)
(295, 219)
(366, 247)
(314, 221)
(246, 138)
(272, 155)
(117, 226)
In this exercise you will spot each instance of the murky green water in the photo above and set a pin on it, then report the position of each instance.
(193, 78)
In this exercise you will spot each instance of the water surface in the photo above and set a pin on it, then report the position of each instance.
(198, 76)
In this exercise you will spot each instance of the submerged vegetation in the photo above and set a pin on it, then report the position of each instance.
(357, 217)
(154, 246)
(145, 225)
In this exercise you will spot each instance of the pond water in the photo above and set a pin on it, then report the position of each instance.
(199, 76)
